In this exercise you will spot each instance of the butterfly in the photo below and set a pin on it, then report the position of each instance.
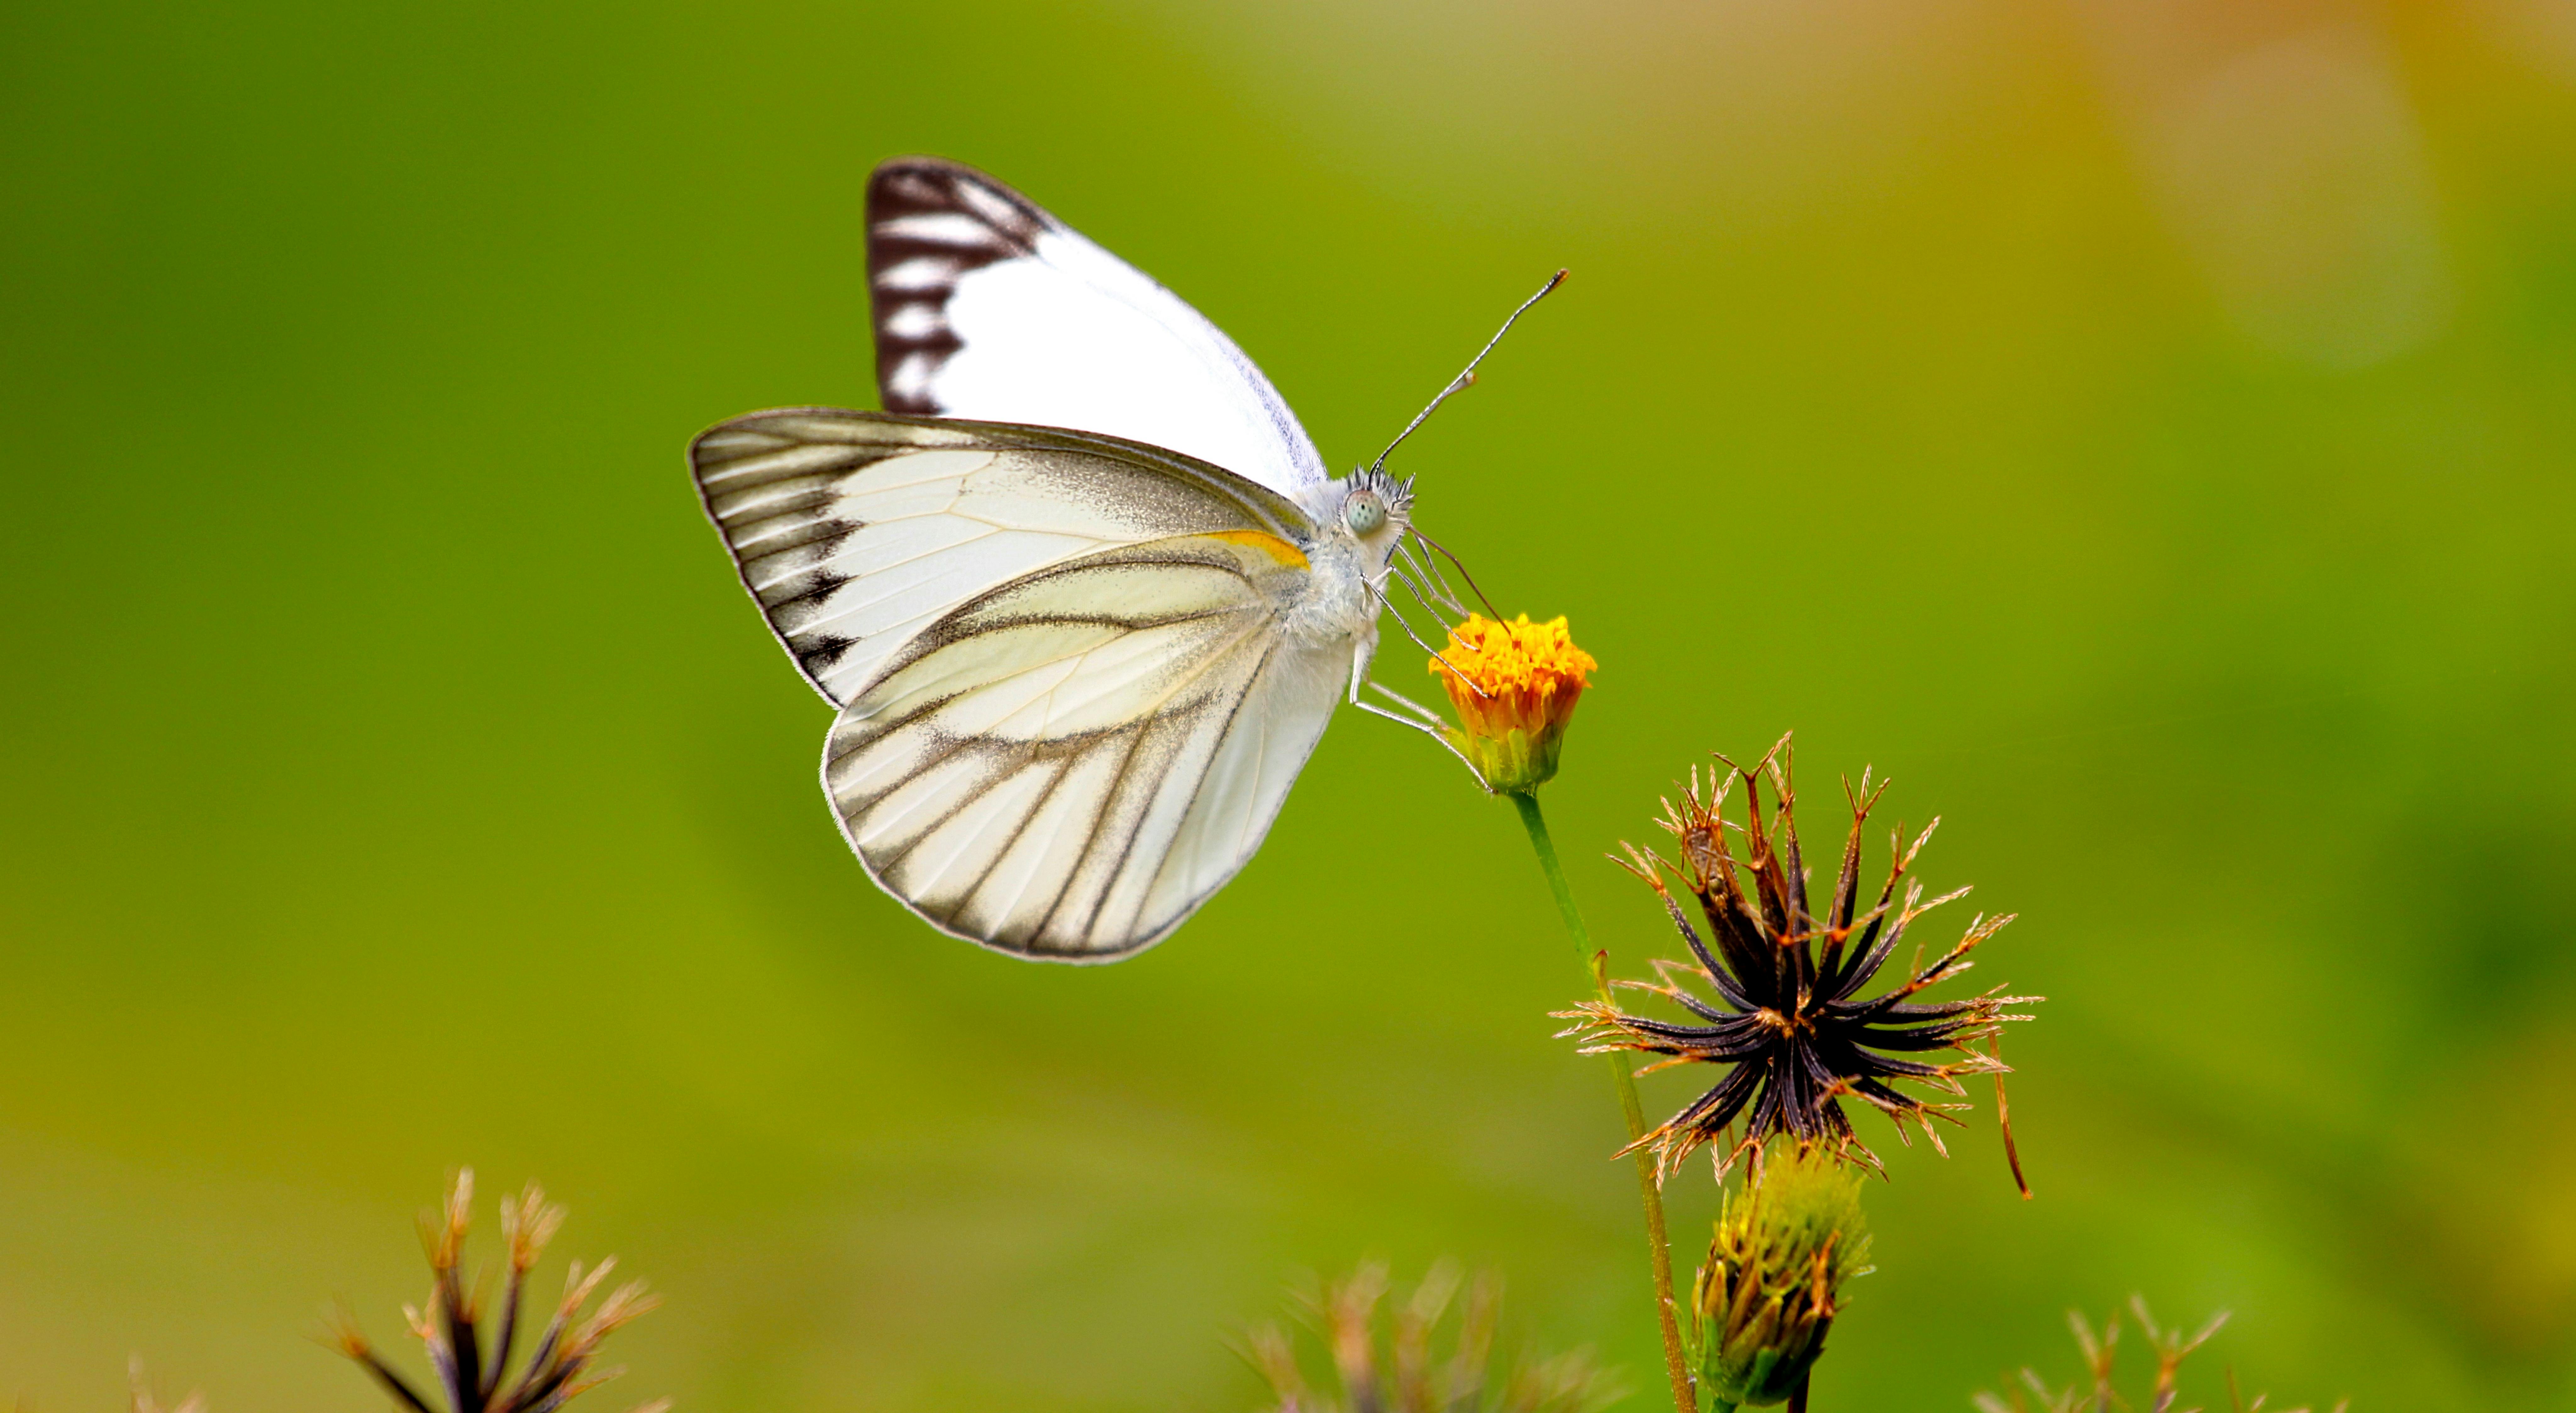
(1083, 594)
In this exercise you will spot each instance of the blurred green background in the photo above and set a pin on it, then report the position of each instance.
(2143, 429)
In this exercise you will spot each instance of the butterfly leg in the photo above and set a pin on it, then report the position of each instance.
(1423, 719)
(1427, 715)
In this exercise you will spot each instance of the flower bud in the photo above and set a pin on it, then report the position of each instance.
(1514, 686)
(1772, 1285)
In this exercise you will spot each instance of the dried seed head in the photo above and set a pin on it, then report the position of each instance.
(144, 1402)
(2101, 1356)
(469, 1356)
(1789, 1021)
(1385, 1356)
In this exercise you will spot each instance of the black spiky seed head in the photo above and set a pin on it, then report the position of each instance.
(469, 1352)
(1789, 1020)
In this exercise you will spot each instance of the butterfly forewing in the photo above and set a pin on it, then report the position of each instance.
(1069, 765)
(854, 531)
(988, 307)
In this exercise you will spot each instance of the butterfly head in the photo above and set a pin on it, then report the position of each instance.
(1376, 509)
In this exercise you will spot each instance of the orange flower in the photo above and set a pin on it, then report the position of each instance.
(1514, 686)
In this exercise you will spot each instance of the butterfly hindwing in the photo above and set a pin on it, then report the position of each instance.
(988, 307)
(854, 531)
(1069, 765)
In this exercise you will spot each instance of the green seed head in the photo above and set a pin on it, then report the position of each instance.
(1773, 1281)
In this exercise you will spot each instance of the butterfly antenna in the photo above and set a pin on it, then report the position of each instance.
(1466, 379)
(1472, 585)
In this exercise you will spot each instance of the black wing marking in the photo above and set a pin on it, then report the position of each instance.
(929, 223)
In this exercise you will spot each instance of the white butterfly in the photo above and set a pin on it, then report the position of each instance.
(1076, 670)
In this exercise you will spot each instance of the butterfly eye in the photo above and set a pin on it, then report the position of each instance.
(1364, 513)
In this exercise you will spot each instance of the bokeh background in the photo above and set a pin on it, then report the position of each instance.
(2142, 428)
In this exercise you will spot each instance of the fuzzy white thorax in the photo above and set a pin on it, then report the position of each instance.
(1349, 568)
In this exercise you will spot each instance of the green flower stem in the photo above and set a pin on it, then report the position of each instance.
(1596, 967)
